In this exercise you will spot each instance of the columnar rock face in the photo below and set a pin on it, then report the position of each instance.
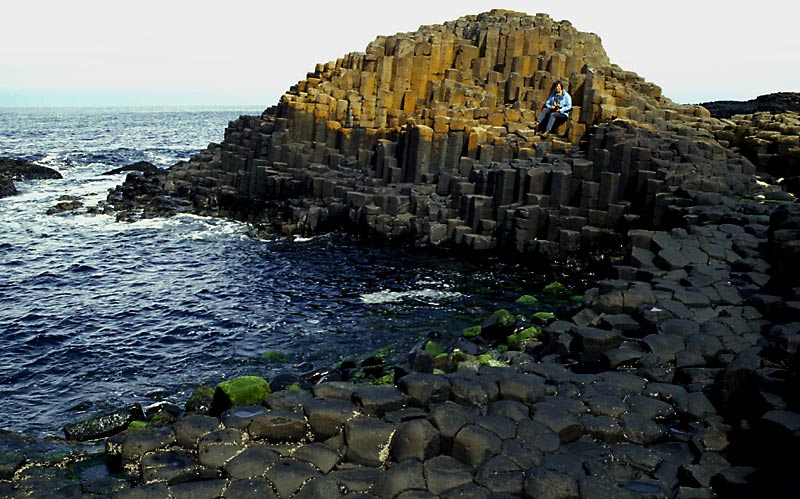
(430, 137)
(770, 140)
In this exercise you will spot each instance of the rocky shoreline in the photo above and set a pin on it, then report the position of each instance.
(676, 376)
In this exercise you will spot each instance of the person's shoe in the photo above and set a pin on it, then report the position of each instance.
(545, 134)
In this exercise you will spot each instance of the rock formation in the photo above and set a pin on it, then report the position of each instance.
(17, 169)
(429, 138)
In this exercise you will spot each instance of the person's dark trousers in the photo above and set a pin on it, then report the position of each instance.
(553, 118)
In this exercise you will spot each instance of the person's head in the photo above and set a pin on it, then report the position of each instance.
(557, 87)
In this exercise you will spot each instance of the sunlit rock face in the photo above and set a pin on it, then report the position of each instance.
(430, 138)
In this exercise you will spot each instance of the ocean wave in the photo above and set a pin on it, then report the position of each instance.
(427, 296)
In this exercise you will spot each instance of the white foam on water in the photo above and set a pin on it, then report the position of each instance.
(428, 296)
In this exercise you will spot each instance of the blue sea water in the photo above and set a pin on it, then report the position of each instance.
(96, 314)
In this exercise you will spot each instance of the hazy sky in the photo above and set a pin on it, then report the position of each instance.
(248, 52)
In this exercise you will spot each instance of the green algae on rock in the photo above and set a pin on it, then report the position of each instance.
(244, 390)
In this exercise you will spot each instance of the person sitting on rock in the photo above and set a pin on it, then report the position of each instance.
(555, 110)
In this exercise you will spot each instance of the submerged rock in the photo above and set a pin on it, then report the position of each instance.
(140, 166)
(103, 426)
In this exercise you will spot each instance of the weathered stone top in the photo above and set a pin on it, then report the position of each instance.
(490, 73)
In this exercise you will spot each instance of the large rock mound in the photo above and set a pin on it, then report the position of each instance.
(428, 137)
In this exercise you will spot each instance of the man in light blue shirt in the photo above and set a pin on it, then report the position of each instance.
(555, 110)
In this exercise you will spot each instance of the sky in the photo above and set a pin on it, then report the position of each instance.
(248, 52)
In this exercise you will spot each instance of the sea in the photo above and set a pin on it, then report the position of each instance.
(96, 315)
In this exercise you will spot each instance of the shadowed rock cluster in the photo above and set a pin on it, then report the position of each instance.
(16, 169)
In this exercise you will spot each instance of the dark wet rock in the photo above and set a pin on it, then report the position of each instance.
(473, 445)
(327, 416)
(218, 447)
(18, 169)
(701, 473)
(402, 477)
(602, 428)
(736, 481)
(449, 418)
(471, 389)
(189, 429)
(468, 491)
(640, 429)
(511, 409)
(252, 462)
(339, 390)
(319, 487)
(66, 204)
(405, 414)
(564, 424)
(664, 346)
(288, 399)
(357, 480)
(278, 425)
(168, 466)
(206, 489)
(103, 426)
(626, 356)
(415, 439)
(139, 166)
(523, 453)
(257, 488)
(675, 395)
(739, 385)
(241, 417)
(629, 383)
(288, 475)
(637, 456)
(538, 435)
(379, 399)
(416, 494)
(368, 440)
(524, 388)
(321, 456)
(140, 442)
(650, 407)
(501, 426)
(605, 405)
(105, 486)
(565, 463)
(596, 488)
(444, 473)
(7, 187)
(424, 389)
(152, 491)
(542, 483)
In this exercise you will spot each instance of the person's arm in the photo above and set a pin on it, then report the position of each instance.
(550, 101)
(566, 103)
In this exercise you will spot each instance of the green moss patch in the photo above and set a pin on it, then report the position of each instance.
(244, 390)
(471, 332)
(527, 300)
